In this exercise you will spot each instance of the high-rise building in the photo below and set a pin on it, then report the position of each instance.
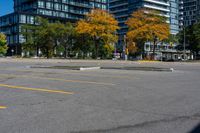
(25, 12)
(189, 12)
(122, 9)
(180, 5)
(174, 16)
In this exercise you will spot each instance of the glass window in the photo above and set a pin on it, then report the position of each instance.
(49, 5)
(22, 18)
(41, 4)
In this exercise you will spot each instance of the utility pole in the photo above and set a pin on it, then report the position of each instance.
(184, 51)
(124, 49)
(115, 53)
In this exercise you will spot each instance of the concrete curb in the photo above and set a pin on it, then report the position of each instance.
(141, 69)
(89, 68)
(83, 68)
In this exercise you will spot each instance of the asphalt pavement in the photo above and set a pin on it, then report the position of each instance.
(52, 100)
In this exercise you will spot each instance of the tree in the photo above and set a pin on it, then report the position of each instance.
(107, 51)
(100, 25)
(3, 44)
(192, 38)
(83, 44)
(196, 33)
(47, 36)
(41, 36)
(132, 48)
(30, 44)
(64, 33)
(172, 39)
(147, 25)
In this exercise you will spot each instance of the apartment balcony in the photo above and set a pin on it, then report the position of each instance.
(156, 8)
(158, 2)
(120, 16)
(118, 5)
(7, 32)
(77, 12)
(120, 10)
(113, 1)
(80, 4)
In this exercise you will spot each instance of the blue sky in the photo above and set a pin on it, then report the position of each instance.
(6, 6)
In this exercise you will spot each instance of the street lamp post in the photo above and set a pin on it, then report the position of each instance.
(115, 53)
(124, 49)
(184, 50)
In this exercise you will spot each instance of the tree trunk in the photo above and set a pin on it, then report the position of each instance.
(65, 53)
(47, 53)
(37, 51)
(154, 49)
(96, 48)
(65, 45)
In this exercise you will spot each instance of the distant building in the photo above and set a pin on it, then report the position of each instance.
(174, 16)
(122, 9)
(180, 14)
(25, 12)
(189, 12)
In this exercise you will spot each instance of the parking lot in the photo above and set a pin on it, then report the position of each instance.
(51, 100)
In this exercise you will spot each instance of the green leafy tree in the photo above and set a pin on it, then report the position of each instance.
(196, 33)
(83, 44)
(172, 39)
(64, 33)
(30, 45)
(3, 44)
(47, 36)
(40, 36)
(191, 38)
(106, 51)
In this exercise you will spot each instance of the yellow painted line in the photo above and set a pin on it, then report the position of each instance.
(3, 107)
(35, 89)
(58, 79)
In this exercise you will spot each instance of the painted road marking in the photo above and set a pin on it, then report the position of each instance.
(3, 107)
(35, 89)
(58, 79)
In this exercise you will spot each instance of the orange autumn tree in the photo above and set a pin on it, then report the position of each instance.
(101, 26)
(147, 25)
(132, 48)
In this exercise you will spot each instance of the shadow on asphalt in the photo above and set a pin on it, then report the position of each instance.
(196, 129)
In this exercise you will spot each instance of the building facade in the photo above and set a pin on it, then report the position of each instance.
(180, 5)
(25, 12)
(174, 16)
(189, 12)
(122, 9)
